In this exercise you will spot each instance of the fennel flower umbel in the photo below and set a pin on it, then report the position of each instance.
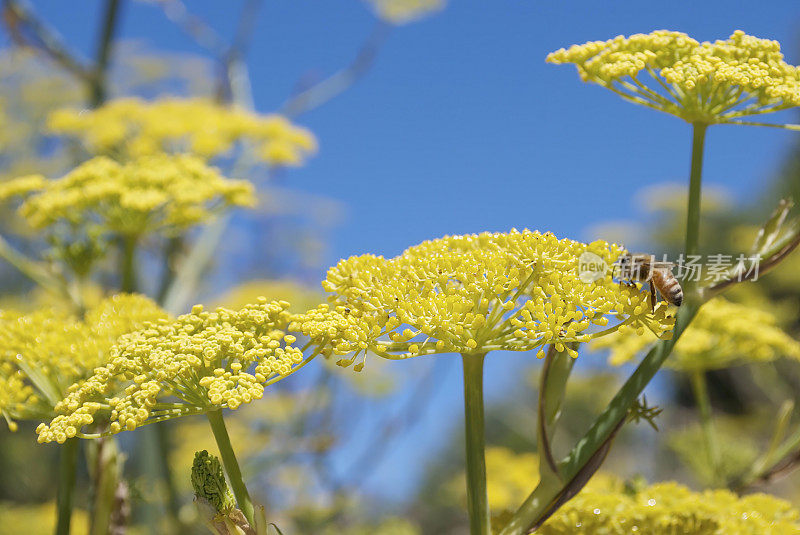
(158, 193)
(513, 291)
(704, 83)
(42, 353)
(131, 128)
(206, 360)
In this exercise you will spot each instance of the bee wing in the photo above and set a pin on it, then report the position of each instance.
(651, 260)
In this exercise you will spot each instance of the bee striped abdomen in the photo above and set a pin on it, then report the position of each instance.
(668, 286)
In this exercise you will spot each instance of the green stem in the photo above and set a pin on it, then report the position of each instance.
(67, 464)
(231, 464)
(163, 434)
(477, 500)
(172, 250)
(106, 460)
(128, 281)
(700, 391)
(555, 373)
(695, 185)
(98, 89)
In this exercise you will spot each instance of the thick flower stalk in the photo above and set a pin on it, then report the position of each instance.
(130, 128)
(153, 194)
(672, 508)
(472, 294)
(207, 360)
(706, 83)
(44, 352)
(723, 334)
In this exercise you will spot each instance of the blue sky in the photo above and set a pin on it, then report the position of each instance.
(462, 127)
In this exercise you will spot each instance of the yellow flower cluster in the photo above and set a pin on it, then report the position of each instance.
(158, 193)
(722, 334)
(131, 128)
(207, 360)
(475, 293)
(44, 352)
(670, 508)
(405, 11)
(700, 82)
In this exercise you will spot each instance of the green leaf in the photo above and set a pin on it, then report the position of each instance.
(773, 228)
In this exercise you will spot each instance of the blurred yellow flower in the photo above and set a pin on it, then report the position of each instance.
(205, 360)
(156, 193)
(670, 508)
(722, 334)
(405, 11)
(513, 291)
(705, 83)
(300, 296)
(35, 519)
(510, 477)
(42, 353)
(131, 128)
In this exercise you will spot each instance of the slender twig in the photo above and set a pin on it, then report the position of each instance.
(34, 270)
(231, 58)
(203, 34)
(19, 18)
(700, 391)
(98, 81)
(323, 91)
(411, 413)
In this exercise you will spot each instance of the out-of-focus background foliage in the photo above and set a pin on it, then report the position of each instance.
(430, 119)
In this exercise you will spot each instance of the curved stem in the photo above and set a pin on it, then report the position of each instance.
(552, 386)
(231, 464)
(477, 500)
(700, 391)
(67, 464)
(540, 502)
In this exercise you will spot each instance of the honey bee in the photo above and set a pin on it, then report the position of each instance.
(658, 275)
